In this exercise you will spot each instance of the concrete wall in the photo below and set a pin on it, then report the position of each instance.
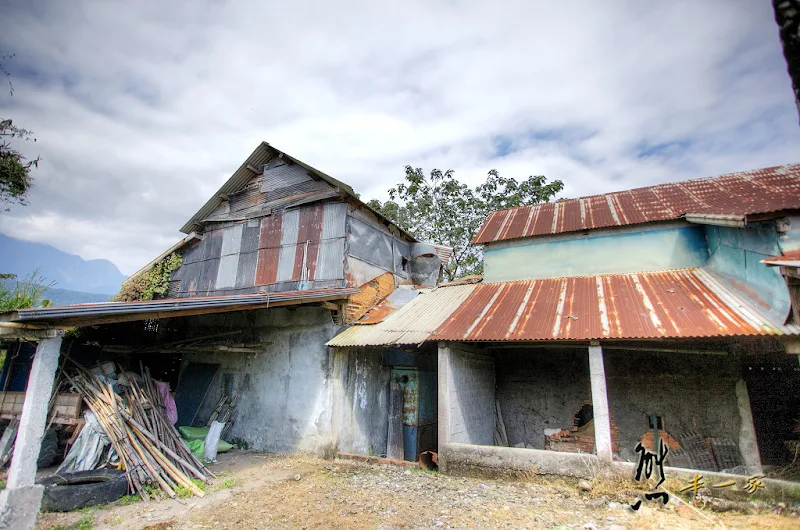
(690, 391)
(285, 396)
(471, 389)
(540, 389)
(646, 248)
(360, 384)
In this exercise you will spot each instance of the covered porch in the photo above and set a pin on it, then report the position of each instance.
(251, 345)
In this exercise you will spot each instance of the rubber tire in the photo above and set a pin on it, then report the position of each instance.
(70, 491)
(49, 449)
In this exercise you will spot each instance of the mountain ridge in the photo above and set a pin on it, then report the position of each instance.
(67, 271)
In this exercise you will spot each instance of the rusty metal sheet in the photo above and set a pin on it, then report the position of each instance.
(787, 259)
(269, 250)
(745, 193)
(670, 304)
(308, 235)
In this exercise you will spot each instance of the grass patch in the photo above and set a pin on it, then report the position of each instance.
(2, 484)
(85, 523)
(228, 484)
(185, 493)
(129, 499)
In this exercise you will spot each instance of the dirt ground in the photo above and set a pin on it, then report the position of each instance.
(258, 491)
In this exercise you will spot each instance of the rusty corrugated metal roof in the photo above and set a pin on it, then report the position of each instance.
(787, 259)
(670, 304)
(411, 324)
(739, 194)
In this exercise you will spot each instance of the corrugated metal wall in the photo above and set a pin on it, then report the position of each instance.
(281, 185)
(297, 249)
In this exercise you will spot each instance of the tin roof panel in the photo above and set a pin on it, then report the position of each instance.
(745, 193)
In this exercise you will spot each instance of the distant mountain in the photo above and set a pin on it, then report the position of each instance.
(64, 296)
(68, 271)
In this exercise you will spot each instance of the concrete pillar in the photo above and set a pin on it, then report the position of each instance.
(444, 403)
(20, 501)
(748, 444)
(602, 418)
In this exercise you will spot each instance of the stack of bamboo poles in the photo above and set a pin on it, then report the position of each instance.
(149, 446)
(224, 417)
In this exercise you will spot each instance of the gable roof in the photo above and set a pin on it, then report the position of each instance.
(248, 170)
(728, 198)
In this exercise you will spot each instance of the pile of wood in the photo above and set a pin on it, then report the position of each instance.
(223, 412)
(149, 446)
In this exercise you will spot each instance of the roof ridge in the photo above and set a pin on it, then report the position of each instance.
(653, 186)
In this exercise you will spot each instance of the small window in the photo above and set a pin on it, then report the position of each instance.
(227, 384)
(659, 422)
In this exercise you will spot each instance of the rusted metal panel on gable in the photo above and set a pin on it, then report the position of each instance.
(745, 193)
(671, 304)
(308, 233)
(288, 252)
(269, 250)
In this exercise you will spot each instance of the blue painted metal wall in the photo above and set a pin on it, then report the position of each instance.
(735, 257)
(592, 254)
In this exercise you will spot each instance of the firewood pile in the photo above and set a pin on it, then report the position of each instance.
(149, 447)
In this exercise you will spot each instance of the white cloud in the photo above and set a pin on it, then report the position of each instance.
(142, 112)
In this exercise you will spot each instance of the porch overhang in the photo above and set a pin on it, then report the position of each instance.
(114, 312)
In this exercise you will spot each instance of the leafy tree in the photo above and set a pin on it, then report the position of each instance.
(442, 210)
(15, 178)
(15, 169)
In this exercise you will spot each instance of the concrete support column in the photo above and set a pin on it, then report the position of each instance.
(602, 418)
(444, 403)
(748, 444)
(20, 501)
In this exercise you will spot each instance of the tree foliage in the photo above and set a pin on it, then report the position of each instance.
(154, 281)
(15, 169)
(440, 209)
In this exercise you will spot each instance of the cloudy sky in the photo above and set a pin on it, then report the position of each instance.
(143, 109)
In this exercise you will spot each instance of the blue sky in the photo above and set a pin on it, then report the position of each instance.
(142, 110)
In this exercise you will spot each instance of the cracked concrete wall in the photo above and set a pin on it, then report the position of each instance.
(284, 392)
(540, 389)
(689, 391)
(472, 396)
(360, 383)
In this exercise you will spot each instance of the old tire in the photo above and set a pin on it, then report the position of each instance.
(65, 492)
(49, 449)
